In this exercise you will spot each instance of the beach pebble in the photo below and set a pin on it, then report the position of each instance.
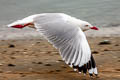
(1, 71)
(12, 57)
(1, 64)
(117, 69)
(4, 51)
(11, 46)
(102, 54)
(37, 42)
(118, 60)
(48, 52)
(51, 71)
(23, 75)
(57, 70)
(116, 44)
(13, 53)
(25, 49)
(11, 65)
(37, 62)
(48, 65)
(106, 49)
(24, 52)
(95, 52)
(104, 42)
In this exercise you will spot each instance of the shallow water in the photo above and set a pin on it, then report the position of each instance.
(98, 12)
(101, 13)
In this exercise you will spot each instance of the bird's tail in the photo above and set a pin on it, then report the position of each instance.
(90, 67)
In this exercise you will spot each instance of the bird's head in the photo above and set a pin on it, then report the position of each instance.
(87, 26)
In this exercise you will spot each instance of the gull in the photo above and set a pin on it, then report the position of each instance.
(66, 33)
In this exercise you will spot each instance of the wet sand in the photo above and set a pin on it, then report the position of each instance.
(36, 59)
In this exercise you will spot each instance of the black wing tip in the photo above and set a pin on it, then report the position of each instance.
(91, 75)
(86, 67)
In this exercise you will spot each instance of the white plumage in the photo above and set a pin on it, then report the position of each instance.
(64, 32)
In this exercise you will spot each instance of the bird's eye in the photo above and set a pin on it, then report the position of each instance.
(86, 25)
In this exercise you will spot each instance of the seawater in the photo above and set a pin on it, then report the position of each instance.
(101, 13)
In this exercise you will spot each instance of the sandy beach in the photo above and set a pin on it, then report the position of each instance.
(24, 55)
(36, 59)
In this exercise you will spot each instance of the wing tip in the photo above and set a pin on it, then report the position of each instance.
(88, 67)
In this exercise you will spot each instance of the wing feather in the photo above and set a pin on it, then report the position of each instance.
(65, 36)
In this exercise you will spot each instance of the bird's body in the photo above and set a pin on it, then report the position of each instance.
(66, 34)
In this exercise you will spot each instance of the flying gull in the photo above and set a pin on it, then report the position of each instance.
(66, 33)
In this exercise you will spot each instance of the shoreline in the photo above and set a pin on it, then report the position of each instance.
(27, 33)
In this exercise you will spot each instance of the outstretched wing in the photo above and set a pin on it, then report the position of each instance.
(65, 36)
